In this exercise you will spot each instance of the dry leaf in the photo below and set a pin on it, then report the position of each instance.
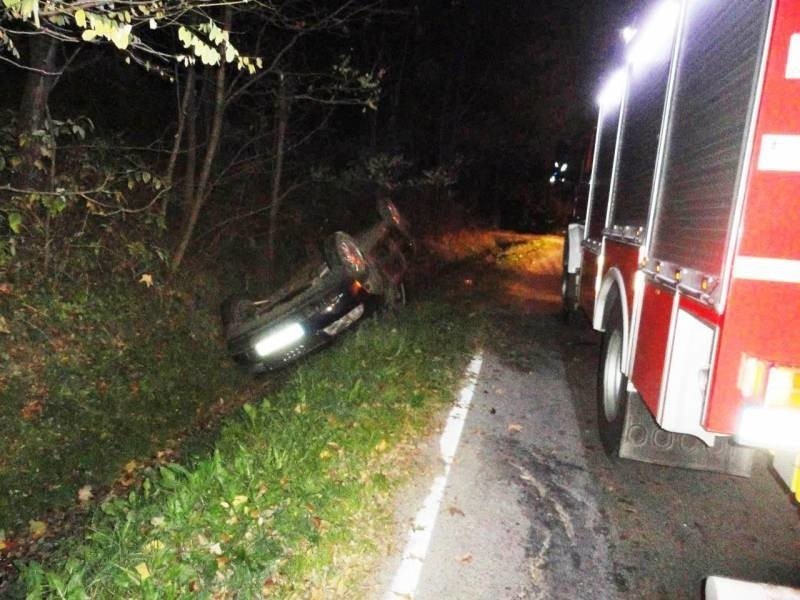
(143, 571)
(215, 549)
(37, 529)
(239, 500)
(153, 546)
(4, 325)
(454, 510)
(381, 446)
(6, 289)
(465, 558)
(31, 410)
(85, 494)
(146, 279)
(514, 428)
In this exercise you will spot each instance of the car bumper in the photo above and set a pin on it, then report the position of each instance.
(266, 344)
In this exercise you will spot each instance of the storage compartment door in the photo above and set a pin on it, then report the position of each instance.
(651, 343)
(687, 379)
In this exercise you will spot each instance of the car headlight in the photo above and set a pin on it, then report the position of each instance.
(279, 338)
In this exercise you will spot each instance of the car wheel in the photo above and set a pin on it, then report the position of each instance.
(390, 214)
(342, 251)
(612, 384)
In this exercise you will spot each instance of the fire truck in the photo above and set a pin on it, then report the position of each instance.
(687, 253)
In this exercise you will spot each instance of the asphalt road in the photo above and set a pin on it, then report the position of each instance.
(533, 508)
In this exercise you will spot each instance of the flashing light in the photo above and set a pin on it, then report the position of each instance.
(628, 33)
(552, 179)
(611, 93)
(654, 41)
(563, 167)
(279, 339)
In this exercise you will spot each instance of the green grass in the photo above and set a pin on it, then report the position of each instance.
(92, 379)
(297, 486)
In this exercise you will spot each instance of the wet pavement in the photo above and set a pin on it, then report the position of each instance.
(533, 508)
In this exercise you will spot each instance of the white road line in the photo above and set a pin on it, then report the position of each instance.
(406, 578)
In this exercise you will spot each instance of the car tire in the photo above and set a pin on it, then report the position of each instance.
(343, 252)
(390, 214)
(612, 383)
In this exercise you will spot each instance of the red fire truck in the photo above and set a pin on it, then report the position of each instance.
(688, 255)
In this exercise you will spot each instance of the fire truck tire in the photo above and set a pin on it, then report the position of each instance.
(569, 294)
(612, 384)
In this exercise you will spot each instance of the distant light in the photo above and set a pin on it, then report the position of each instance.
(563, 168)
(556, 164)
(553, 179)
(654, 41)
(279, 339)
(611, 93)
(628, 33)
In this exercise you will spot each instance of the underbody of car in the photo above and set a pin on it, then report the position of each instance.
(359, 274)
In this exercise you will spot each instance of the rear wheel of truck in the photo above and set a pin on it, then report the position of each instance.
(612, 384)
(569, 285)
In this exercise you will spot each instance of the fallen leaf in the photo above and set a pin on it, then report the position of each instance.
(31, 410)
(215, 549)
(381, 446)
(153, 546)
(37, 529)
(143, 571)
(157, 521)
(130, 466)
(239, 500)
(514, 428)
(454, 510)
(465, 558)
(6, 288)
(85, 494)
(146, 279)
(4, 325)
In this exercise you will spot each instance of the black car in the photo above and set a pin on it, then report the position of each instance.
(321, 301)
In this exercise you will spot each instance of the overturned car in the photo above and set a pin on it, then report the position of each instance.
(359, 274)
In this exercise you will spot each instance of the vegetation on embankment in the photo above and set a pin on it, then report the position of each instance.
(289, 498)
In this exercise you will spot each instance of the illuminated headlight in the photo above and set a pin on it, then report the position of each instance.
(772, 428)
(279, 338)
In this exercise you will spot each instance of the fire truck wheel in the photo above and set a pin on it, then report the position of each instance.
(569, 293)
(612, 384)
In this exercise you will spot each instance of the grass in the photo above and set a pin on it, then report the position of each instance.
(293, 495)
(92, 381)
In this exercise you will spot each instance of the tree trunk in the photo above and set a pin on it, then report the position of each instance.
(190, 172)
(32, 113)
(202, 190)
(183, 110)
(281, 123)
